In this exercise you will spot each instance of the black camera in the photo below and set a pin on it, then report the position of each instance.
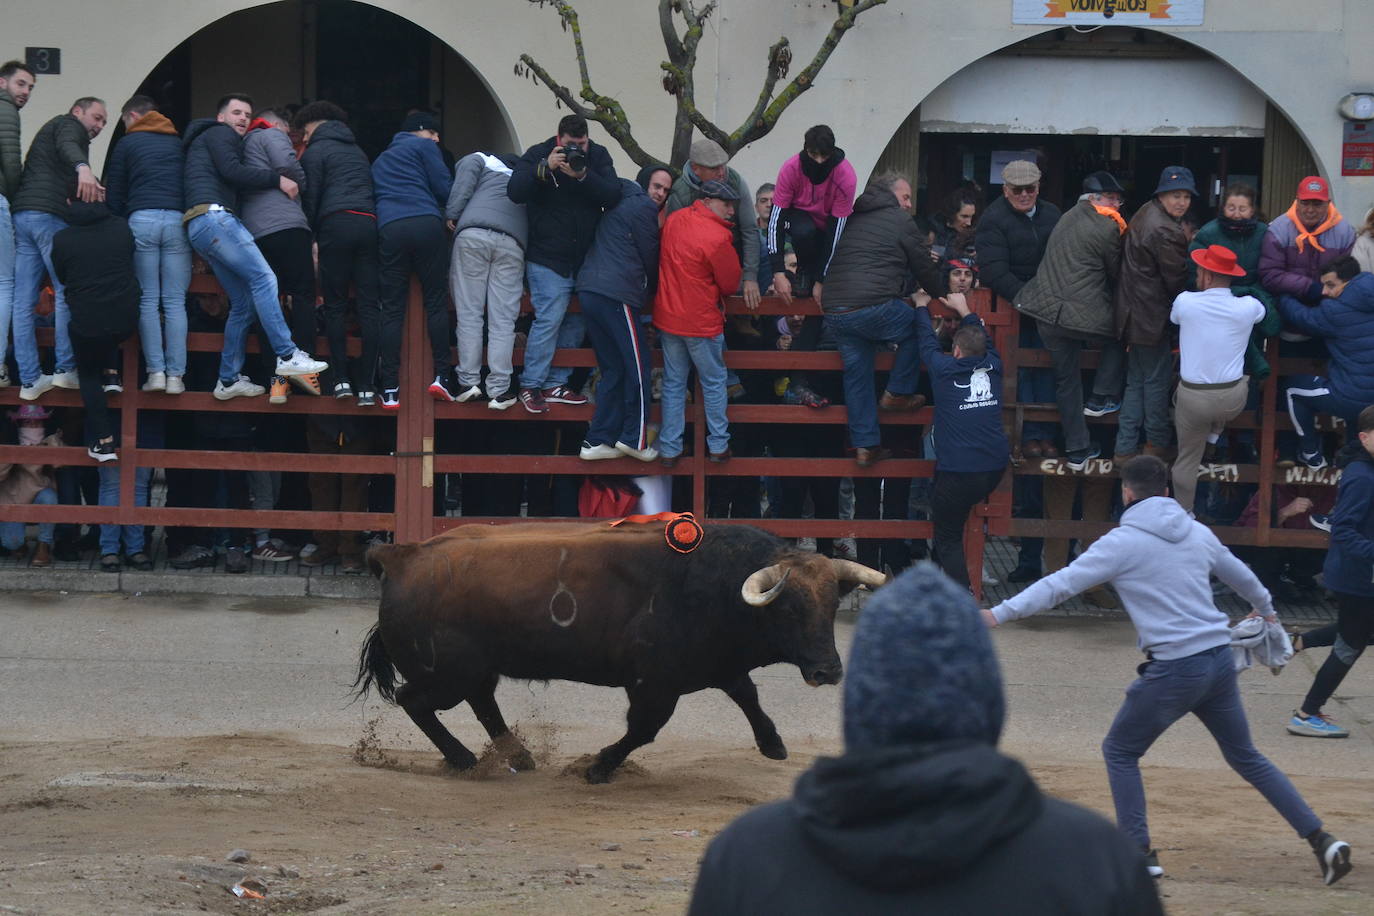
(576, 156)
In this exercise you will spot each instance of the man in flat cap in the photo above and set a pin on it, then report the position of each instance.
(709, 162)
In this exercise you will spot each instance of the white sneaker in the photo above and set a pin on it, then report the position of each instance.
(597, 452)
(469, 394)
(300, 363)
(66, 380)
(157, 381)
(242, 388)
(643, 454)
(32, 392)
(175, 385)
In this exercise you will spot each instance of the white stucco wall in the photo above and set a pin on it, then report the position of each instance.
(1302, 55)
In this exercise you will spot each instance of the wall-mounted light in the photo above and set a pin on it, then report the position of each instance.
(1357, 106)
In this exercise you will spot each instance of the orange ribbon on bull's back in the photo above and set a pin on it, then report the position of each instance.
(683, 533)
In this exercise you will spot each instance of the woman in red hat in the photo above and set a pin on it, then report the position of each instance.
(1214, 332)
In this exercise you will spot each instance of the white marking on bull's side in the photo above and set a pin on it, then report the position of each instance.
(562, 590)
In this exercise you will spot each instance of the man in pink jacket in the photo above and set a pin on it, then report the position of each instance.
(813, 198)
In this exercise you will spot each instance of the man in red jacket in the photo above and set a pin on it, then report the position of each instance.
(697, 267)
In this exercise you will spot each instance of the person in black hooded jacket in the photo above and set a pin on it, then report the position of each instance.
(922, 813)
(340, 205)
(94, 259)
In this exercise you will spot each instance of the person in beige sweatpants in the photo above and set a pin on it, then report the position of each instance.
(1214, 331)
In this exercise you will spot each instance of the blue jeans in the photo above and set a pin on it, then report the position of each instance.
(33, 232)
(162, 263)
(553, 328)
(252, 287)
(1149, 384)
(6, 275)
(12, 533)
(857, 335)
(1204, 685)
(680, 354)
(109, 496)
(1309, 395)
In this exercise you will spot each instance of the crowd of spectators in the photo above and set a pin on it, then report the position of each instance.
(308, 238)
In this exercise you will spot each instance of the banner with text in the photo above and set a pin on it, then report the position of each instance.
(1107, 12)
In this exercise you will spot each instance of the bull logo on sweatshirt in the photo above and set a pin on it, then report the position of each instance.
(979, 388)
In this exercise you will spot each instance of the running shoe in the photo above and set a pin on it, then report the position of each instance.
(1313, 460)
(1333, 855)
(1100, 406)
(1320, 522)
(1315, 726)
(391, 399)
(280, 389)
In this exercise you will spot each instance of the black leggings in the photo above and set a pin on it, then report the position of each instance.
(288, 254)
(93, 356)
(1348, 638)
(952, 497)
(348, 254)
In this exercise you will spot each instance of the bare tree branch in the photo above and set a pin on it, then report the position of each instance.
(678, 80)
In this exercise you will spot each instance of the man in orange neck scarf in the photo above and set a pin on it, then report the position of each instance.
(1311, 235)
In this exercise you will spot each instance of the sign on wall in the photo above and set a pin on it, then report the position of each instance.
(1155, 13)
(1357, 149)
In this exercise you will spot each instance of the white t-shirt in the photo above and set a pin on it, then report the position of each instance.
(1214, 330)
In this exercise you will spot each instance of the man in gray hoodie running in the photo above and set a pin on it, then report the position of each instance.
(1161, 561)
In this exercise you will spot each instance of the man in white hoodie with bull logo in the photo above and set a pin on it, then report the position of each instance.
(1160, 560)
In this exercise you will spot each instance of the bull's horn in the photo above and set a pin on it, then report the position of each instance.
(857, 572)
(765, 585)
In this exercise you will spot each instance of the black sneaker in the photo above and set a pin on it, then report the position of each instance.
(1152, 866)
(439, 389)
(366, 397)
(1320, 522)
(1078, 459)
(235, 560)
(112, 383)
(1099, 406)
(1333, 855)
(501, 400)
(104, 450)
(193, 557)
(391, 399)
(1024, 574)
(1314, 460)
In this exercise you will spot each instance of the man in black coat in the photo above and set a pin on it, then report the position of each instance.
(862, 300)
(215, 177)
(922, 813)
(564, 193)
(342, 209)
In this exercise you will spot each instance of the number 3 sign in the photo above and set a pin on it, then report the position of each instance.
(43, 61)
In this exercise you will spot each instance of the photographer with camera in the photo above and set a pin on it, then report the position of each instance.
(564, 182)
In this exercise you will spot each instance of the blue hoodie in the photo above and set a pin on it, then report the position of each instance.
(1347, 323)
(1349, 567)
(410, 179)
(1160, 561)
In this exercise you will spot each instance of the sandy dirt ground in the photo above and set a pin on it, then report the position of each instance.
(134, 758)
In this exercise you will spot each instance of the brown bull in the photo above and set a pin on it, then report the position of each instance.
(600, 605)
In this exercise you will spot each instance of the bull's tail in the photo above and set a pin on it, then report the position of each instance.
(375, 667)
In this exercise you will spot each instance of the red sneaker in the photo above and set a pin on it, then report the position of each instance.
(562, 395)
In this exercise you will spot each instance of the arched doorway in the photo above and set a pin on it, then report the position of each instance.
(1127, 100)
(376, 64)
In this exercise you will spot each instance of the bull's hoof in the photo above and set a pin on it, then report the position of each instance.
(774, 750)
(522, 761)
(465, 762)
(599, 775)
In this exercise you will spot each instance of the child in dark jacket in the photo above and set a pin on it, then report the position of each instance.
(971, 447)
(94, 259)
(1349, 572)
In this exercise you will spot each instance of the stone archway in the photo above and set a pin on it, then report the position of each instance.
(377, 63)
(1104, 107)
